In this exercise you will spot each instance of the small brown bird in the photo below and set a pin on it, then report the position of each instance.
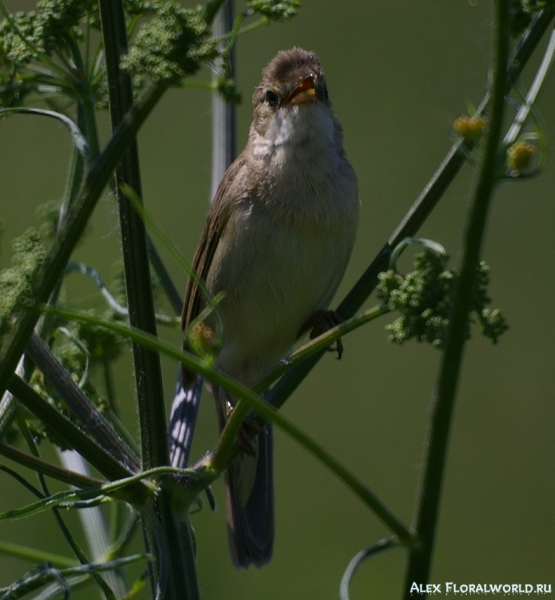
(277, 240)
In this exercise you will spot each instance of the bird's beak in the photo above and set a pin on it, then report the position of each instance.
(304, 92)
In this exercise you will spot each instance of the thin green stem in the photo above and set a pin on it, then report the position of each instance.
(47, 468)
(531, 97)
(444, 395)
(253, 26)
(175, 573)
(37, 556)
(319, 344)
(359, 558)
(83, 87)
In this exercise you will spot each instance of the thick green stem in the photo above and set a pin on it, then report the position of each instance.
(174, 576)
(68, 431)
(445, 392)
(148, 374)
(96, 425)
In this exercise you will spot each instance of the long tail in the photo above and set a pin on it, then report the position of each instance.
(249, 479)
(250, 498)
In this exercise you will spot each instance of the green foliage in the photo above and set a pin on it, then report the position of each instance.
(173, 44)
(16, 282)
(44, 29)
(424, 298)
(46, 36)
(275, 9)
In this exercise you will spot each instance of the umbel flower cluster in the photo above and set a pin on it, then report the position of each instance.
(424, 299)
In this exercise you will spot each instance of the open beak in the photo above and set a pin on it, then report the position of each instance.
(304, 92)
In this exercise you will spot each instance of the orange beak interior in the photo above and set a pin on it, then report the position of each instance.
(304, 92)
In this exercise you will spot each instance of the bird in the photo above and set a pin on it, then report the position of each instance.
(276, 242)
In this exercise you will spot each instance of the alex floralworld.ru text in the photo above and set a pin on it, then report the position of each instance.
(481, 588)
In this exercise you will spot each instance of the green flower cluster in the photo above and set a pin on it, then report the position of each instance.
(277, 10)
(424, 298)
(16, 283)
(174, 43)
(43, 29)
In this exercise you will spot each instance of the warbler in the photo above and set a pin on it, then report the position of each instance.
(277, 241)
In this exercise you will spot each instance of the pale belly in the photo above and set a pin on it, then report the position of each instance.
(274, 278)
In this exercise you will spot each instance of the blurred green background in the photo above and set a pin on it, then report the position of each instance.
(398, 74)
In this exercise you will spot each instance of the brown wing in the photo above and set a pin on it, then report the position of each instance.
(202, 259)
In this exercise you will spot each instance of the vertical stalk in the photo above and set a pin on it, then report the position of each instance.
(148, 375)
(444, 395)
(167, 534)
(223, 113)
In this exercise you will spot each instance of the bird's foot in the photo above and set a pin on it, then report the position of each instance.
(320, 322)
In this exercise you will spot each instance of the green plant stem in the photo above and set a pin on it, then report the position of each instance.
(47, 468)
(175, 573)
(37, 556)
(359, 558)
(68, 431)
(444, 395)
(86, 97)
(223, 112)
(531, 97)
(420, 210)
(148, 373)
(94, 422)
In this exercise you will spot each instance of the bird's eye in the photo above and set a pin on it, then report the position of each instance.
(271, 98)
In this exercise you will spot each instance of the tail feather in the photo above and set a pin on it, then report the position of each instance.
(249, 479)
(182, 421)
(251, 525)
(250, 498)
